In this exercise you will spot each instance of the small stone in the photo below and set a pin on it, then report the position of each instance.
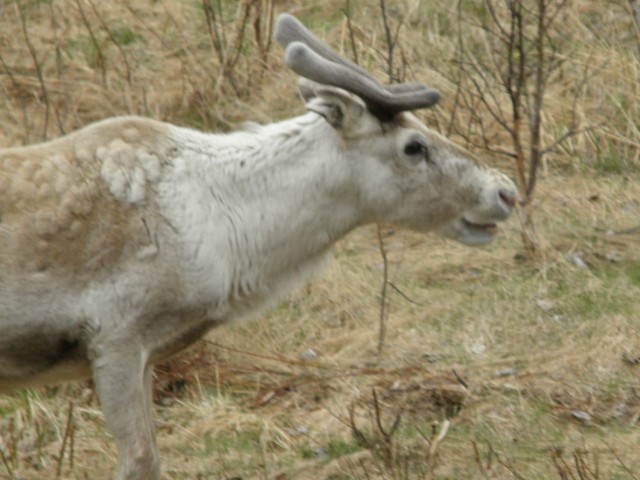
(582, 416)
(576, 260)
(505, 372)
(613, 257)
(296, 431)
(544, 305)
(474, 272)
(621, 410)
(319, 453)
(308, 355)
(432, 357)
(630, 359)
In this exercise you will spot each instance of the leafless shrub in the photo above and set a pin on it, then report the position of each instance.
(396, 72)
(393, 458)
(228, 37)
(504, 70)
(578, 467)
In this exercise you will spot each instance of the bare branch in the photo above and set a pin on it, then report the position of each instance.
(390, 41)
(68, 434)
(6, 463)
(113, 40)
(354, 50)
(32, 52)
(100, 59)
(535, 123)
(384, 306)
(458, 80)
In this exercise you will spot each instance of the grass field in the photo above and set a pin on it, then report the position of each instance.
(493, 366)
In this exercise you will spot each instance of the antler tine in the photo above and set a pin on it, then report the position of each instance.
(307, 63)
(289, 29)
(310, 58)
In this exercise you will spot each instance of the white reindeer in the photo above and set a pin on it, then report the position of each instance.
(125, 242)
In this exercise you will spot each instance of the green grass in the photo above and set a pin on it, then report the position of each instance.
(632, 270)
(610, 163)
(84, 47)
(124, 35)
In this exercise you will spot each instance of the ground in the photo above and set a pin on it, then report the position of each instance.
(494, 365)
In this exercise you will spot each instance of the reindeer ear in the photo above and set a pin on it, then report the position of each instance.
(307, 89)
(340, 108)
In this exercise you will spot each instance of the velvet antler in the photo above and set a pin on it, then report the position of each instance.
(310, 58)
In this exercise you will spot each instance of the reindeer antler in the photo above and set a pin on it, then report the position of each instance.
(310, 58)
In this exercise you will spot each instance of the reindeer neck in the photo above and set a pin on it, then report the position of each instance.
(283, 194)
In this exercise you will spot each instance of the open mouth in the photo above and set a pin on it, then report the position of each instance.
(490, 229)
(471, 233)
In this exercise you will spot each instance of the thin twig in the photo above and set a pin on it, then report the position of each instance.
(396, 421)
(506, 465)
(6, 464)
(215, 35)
(240, 33)
(635, 13)
(360, 437)
(458, 81)
(100, 58)
(478, 459)
(68, 432)
(622, 464)
(43, 87)
(535, 124)
(404, 295)
(382, 331)
(263, 45)
(113, 40)
(354, 50)
(59, 67)
(389, 40)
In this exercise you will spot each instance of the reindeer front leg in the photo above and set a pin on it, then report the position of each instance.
(122, 377)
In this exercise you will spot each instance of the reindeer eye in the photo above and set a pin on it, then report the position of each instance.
(415, 148)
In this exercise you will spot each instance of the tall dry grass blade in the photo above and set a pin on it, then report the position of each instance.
(635, 13)
(5, 462)
(630, 472)
(437, 440)
(68, 434)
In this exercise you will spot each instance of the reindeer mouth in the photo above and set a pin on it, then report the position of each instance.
(473, 233)
(490, 229)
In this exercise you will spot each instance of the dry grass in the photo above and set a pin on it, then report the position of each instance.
(538, 346)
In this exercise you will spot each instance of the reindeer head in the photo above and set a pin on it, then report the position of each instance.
(408, 174)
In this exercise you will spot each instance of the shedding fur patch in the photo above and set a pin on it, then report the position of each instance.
(126, 170)
(66, 204)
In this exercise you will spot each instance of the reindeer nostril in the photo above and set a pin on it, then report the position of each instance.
(508, 196)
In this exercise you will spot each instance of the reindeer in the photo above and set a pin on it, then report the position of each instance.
(123, 243)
